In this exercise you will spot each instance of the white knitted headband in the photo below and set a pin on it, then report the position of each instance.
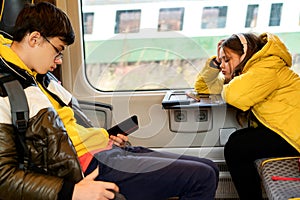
(244, 43)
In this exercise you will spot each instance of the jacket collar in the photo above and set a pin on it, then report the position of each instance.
(10, 56)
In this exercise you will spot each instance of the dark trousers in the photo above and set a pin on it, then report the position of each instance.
(144, 174)
(243, 148)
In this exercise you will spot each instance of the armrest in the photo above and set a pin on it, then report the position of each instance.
(93, 114)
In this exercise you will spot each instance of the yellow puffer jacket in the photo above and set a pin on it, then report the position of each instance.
(268, 87)
(209, 80)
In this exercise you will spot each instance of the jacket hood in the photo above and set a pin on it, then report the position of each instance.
(274, 51)
(10, 56)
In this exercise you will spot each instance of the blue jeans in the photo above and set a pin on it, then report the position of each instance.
(144, 174)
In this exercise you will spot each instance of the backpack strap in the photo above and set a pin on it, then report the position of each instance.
(17, 98)
(19, 113)
(20, 117)
(18, 104)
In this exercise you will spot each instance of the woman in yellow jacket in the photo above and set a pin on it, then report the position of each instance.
(253, 74)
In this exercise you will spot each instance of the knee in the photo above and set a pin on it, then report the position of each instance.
(209, 183)
(232, 146)
(230, 151)
(207, 176)
(215, 168)
(211, 164)
(213, 175)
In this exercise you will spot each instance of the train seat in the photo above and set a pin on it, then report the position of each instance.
(280, 177)
(9, 12)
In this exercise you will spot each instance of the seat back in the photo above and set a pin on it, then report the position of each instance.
(9, 12)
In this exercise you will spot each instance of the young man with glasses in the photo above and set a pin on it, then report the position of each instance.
(64, 150)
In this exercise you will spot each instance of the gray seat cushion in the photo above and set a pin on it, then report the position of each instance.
(283, 167)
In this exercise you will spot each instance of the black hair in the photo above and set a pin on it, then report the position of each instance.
(45, 18)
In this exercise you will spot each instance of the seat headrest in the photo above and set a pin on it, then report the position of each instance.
(9, 12)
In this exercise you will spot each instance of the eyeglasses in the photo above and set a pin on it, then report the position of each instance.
(59, 55)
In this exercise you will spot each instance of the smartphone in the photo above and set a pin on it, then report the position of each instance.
(125, 127)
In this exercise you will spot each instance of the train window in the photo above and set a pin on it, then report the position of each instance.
(170, 19)
(214, 17)
(275, 14)
(128, 21)
(251, 18)
(140, 45)
(129, 58)
(88, 22)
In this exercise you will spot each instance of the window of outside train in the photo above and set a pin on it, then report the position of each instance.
(88, 22)
(214, 17)
(170, 19)
(251, 18)
(128, 21)
(123, 58)
(275, 14)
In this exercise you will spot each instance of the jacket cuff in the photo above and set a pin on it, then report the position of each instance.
(66, 191)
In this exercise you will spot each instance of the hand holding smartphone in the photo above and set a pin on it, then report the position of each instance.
(126, 127)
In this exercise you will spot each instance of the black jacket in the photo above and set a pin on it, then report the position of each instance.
(50, 148)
